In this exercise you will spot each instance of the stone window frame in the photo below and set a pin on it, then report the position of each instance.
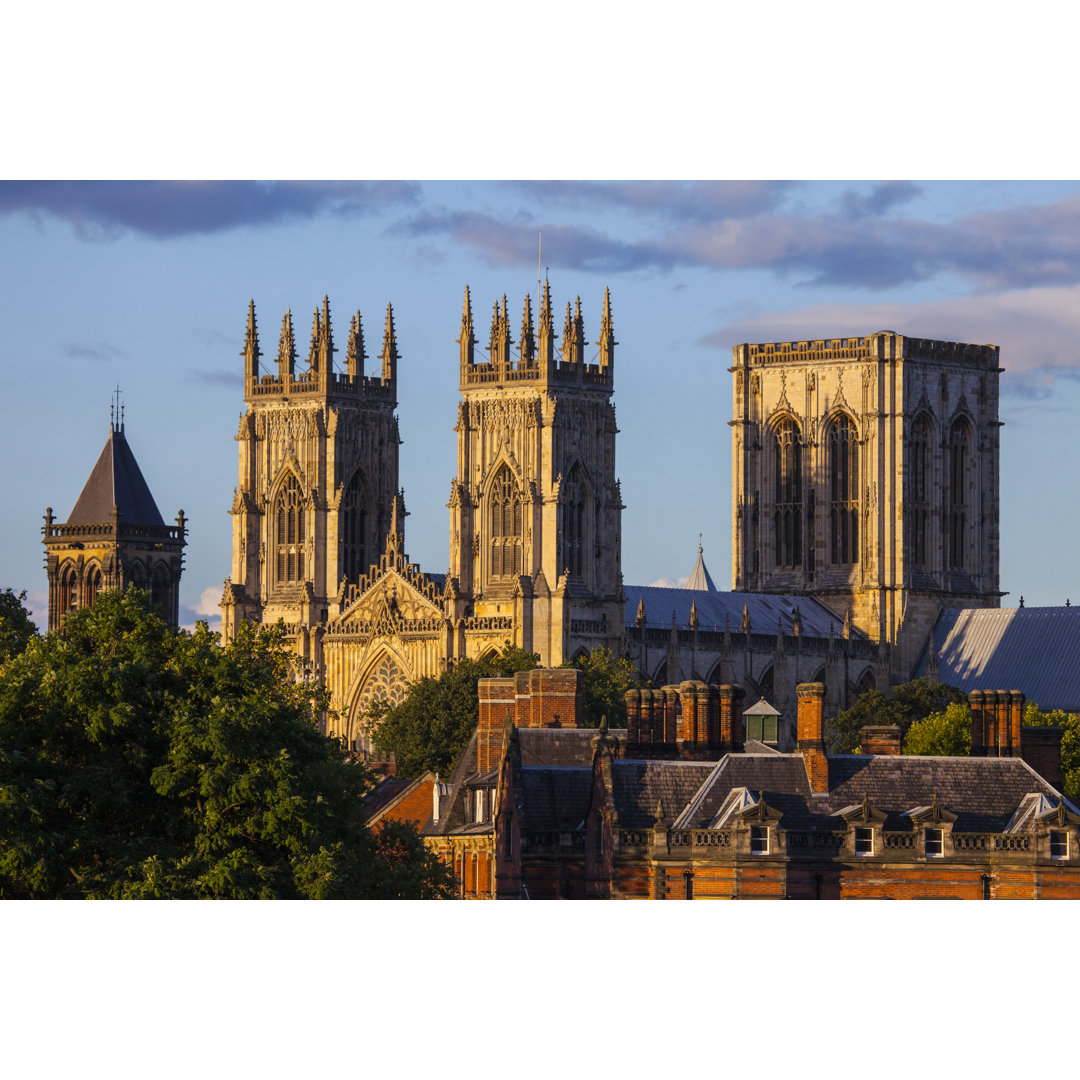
(960, 513)
(939, 841)
(354, 514)
(787, 489)
(763, 837)
(504, 519)
(867, 837)
(1063, 834)
(842, 480)
(919, 503)
(289, 525)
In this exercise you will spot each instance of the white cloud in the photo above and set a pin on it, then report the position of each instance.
(209, 602)
(669, 583)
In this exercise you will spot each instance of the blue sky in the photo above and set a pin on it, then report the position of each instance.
(146, 284)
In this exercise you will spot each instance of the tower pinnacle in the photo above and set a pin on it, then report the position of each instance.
(251, 351)
(287, 349)
(389, 348)
(355, 355)
(466, 341)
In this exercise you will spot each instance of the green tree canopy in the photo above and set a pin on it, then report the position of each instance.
(941, 734)
(430, 728)
(907, 703)
(606, 681)
(1070, 742)
(16, 626)
(142, 762)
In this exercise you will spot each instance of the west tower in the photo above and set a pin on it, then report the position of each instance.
(865, 472)
(318, 477)
(535, 508)
(113, 537)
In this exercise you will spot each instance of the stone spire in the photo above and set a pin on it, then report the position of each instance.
(467, 341)
(744, 626)
(355, 355)
(546, 328)
(499, 348)
(639, 619)
(251, 351)
(287, 348)
(389, 349)
(573, 348)
(322, 340)
(699, 578)
(607, 340)
(526, 340)
(847, 624)
(693, 615)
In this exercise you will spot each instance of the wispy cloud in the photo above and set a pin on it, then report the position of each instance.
(882, 198)
(231, 379)
(1038, 329)
(98, 351)
(104, 209)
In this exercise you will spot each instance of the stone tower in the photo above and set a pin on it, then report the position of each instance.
(535, 509)
(318, 479)
(114, 537)
(865, 472)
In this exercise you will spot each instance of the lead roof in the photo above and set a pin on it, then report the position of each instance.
(115, 481)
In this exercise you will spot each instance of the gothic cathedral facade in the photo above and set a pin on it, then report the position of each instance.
(865, 474)
(535, 509)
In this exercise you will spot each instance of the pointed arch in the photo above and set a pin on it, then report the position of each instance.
(161, 588)
(288, 526)
(961, 493)
(866, 681)
(787, 481)
(505, 524)
(575, 493)
(842, 470)
(355, 518)
(69, 588)
(384, 678)
(92, 583)
(136, 574)
(920, 485)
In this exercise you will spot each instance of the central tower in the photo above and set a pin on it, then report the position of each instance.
(535, 509)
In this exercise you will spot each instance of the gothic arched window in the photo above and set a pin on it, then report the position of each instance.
(506, 513)
(352, 530)
(843, 468)
(69, 591)
(959, 493)
(93, 584)
(787, 493)
(289, 532)
(159, 589)
(575, 538)
(920, 451)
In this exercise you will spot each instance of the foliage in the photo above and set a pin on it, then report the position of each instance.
(941, 734)
(16, 625)
(142, 762)
(1070, 742)
(906, 704)
(433, 724)
(606, 681)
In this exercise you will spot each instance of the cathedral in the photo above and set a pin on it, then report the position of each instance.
(864, 501)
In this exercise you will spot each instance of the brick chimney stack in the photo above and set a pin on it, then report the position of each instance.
(880, 739)
(811, 735)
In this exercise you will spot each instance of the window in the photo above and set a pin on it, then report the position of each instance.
(864, 841)
(1059, 844)
(843, 465)
(506, 512)
(935, 843)
(688, 882)
(353, 529)
(787, 454)
(93, 585)
(759, 840)
(575, 498)
(69, 591)
(290, 529)
(920, 448)
(959, 470)
(480, 804)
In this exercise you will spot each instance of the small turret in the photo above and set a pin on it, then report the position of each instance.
(251, 351)
(389, 349)
(499, 348)
(355, 355)
(287, 349)
(607, 340)
(546, 329)
(322, 340)
(467, 341)
(526, 342)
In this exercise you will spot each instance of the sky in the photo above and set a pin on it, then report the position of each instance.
(145, 285)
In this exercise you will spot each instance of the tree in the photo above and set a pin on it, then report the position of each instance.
(606, 681)
(16, 626)
(430, 728)
(941, 734)
(138, 761)
(907, 703)
(1070, 742)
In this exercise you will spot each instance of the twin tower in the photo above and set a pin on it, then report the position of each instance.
(535, 509)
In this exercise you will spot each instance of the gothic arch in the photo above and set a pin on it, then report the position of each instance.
(161, 589)
(918, 503)
(785, 480)
(961, 512)
(93, 582)
(384, 678)
(136, 574)
(69, 587)
(503, 523)
(841, 439)
(358, 549)
(576, 497)
(288, 528)
(866, 681)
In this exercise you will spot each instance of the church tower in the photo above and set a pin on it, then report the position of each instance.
(535, 509)
(865, 472)
(113, 537)
(318, 478)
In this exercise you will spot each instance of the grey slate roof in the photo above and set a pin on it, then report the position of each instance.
(115, 480)
(766, 610)
(556, 797)
(559, 746)
(1036, 650)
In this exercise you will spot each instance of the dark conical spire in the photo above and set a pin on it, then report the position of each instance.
(390, 355)
(467, 341)
(607, 340)
(251, 351)
(287, 348)
(526, 341)
(115, 487)
(355, 355)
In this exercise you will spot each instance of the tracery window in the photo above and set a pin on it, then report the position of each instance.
(920, 450)
(69, 591)
(787, 455)
(93, 585)
(575, 499)
(505, 508)
(843, 468)
(290, 532)
(959, 508)
(352, 529)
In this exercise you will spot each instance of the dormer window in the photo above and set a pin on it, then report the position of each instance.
(864, 841)
(1059, 844)
(934, 843)
(759, 840)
